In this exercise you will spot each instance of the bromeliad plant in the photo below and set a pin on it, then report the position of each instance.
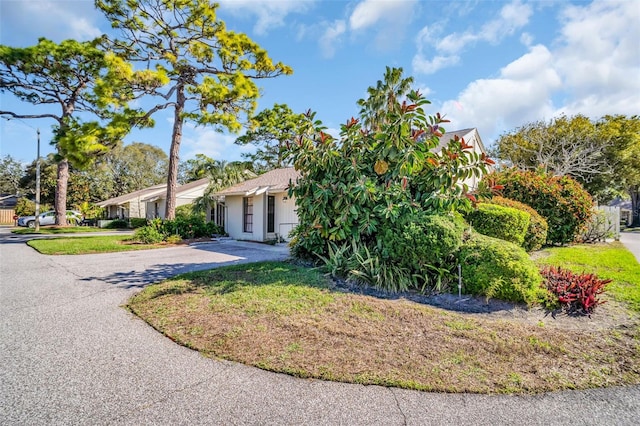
(371, 178)
(577, 294)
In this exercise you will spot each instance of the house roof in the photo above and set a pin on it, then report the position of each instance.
(273, 181)
(188, 190)
(468, 134)
(132, 196)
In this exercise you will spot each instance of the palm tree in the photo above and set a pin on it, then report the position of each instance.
(222, 175)
(383, 98)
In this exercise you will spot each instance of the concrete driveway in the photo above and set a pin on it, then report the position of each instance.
(70, 354)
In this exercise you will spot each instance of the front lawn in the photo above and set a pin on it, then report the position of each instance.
(291, 319)
(87, 245)
(58, 230)
(607, 260)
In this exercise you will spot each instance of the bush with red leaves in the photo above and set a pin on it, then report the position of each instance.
(576, 293)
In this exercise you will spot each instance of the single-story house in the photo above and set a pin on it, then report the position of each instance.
(185, 194)
(258, 209)
(131, 205)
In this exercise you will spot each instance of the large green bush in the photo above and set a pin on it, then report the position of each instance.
(421, 241)
(501, 222)
(536, 235)
(495, 268)
(562, 201)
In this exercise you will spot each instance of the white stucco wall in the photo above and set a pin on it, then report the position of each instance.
(285, 217)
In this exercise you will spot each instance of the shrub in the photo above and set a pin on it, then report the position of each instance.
(173, 239)
(136, 222)
(561, 200)
(148, 235)
(501, 222)
(117, 224)
(576, 293)
(536, 234)
(497, 268)
(422, 240)
(26, 207)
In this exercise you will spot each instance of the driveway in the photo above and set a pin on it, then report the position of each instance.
(70, 354)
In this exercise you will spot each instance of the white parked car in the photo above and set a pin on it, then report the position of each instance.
(49, 218)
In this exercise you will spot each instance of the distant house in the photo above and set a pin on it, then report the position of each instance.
(259, 209)
(131, 205)
(471, 137)
(626, 216)
(185, 194)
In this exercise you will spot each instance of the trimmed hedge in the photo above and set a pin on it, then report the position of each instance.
(536, 234)
(561, 200)
(502, 222)
(496, 268)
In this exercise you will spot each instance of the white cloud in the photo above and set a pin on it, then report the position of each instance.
(269, 14)
(219, 146)
(513, 16)
(59, 20)
(387, 18)
(521, 93)
(331, 37)
(599, 58)
(422, 65)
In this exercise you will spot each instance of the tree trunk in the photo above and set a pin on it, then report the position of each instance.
(634, 192)
(61, 193)
(174, 155)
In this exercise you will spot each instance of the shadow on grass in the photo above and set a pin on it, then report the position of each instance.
(157, 273)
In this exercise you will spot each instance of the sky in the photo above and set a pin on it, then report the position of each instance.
(493, 65)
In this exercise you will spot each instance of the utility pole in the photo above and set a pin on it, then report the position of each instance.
(37, 228)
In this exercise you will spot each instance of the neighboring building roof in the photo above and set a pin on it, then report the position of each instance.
(188, 190)
(619, 202)
(8, 200)
(132, 196)
(273, 181)
(468, 134)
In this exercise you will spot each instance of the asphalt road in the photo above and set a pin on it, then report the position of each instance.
(70, 354)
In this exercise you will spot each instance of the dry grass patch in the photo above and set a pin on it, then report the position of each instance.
(285, 318)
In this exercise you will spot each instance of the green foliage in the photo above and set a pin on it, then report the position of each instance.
(576, 293)
(89, 211)
(501, 222)
(274, 128)
(185, 227)
(562, 201)
(536, 235)
(148, 235)
(11, 171)
(352, 186)
(497, 268)
(207, 72)
(26, 207)
(136, 222)
(133, 167)
(117, 224)
(421, 241)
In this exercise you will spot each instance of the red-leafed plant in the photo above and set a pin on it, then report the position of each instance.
(576, 293)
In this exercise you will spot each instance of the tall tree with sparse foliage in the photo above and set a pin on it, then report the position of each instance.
(275, 128)
(208, 71)
(76, 77)
(11, 171)
(383, 97)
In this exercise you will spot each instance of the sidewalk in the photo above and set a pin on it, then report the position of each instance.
(631, 241)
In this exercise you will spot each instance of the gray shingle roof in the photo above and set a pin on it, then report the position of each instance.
(142, 193)
(274, 181)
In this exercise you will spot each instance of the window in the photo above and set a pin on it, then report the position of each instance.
(247, 214)
(271, 213)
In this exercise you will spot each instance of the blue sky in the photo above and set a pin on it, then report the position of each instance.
(494, 65)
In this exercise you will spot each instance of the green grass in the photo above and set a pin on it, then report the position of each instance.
(58, 230)
(608, 260)
(87, 245)
(290, 319)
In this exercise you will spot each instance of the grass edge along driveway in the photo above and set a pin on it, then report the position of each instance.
(89, 245)
(285, 318)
